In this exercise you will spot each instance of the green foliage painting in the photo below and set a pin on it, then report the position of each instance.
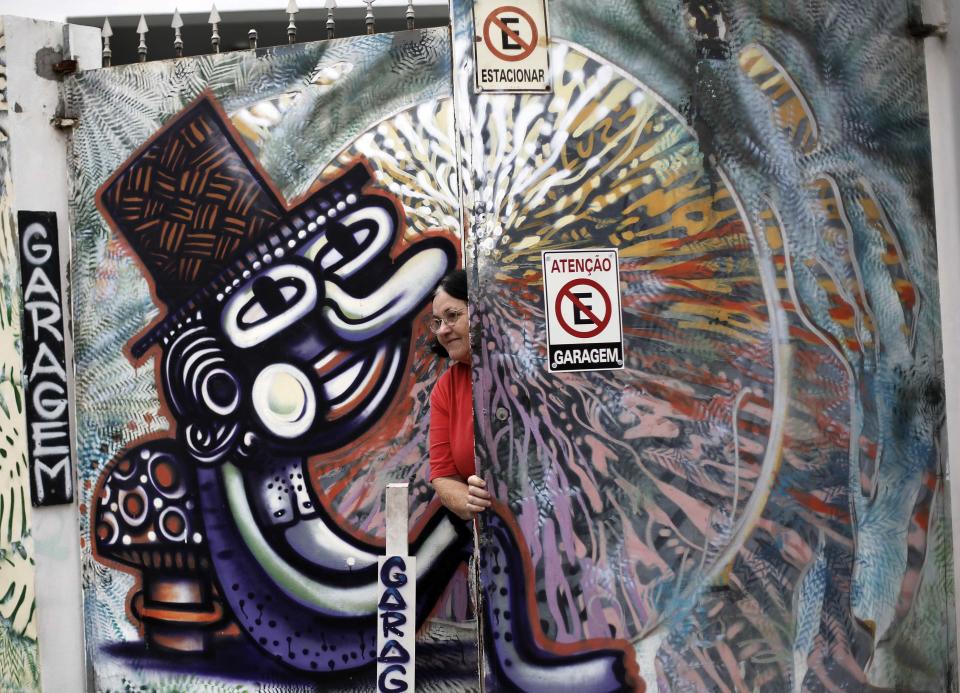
(19, 666)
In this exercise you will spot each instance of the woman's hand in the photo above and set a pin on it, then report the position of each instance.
(464, 500)
(478, 497)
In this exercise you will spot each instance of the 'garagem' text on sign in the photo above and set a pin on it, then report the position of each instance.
(44, 355)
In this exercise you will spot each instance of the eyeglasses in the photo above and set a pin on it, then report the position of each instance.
(449, 319)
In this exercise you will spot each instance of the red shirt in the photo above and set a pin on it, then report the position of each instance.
(451, 424)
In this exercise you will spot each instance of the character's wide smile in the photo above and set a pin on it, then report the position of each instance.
(350, 380)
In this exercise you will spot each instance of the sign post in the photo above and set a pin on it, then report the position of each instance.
(511, 46)
(581, 292)
(397, 605)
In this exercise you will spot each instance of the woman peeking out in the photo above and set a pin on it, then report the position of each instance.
(452, 466)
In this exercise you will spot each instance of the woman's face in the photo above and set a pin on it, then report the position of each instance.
(454, 338)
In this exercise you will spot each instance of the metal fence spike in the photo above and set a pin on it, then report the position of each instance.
(142, 29)
(106, 32)
(177, 24)
(292, 10)
(214, 21)
(411, 15)
(331, 20)
(369, 20)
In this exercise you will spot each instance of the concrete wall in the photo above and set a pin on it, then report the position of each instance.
(40, 175)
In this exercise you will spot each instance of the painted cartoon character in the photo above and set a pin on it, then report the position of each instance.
(276, 346)
(286, 334)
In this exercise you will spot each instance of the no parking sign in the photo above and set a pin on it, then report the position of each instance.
(581, 290)
(511, 46)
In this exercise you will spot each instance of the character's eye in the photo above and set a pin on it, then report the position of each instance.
(352, 241)
(284, 400)
(363, 234)
(273, 301)
(270, 295)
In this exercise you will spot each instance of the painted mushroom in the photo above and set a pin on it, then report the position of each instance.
(146, 519)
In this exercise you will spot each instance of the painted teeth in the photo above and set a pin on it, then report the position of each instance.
(343, 383)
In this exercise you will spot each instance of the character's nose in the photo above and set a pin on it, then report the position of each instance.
(360, 318)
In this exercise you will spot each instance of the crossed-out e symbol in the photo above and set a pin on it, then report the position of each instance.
(583, 313)
(505, 36)
(579, 316)
(513, 45)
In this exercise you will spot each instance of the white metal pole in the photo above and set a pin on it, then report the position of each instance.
(397, 600)
(942, 54)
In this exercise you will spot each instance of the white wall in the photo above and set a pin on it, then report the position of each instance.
(39, 170)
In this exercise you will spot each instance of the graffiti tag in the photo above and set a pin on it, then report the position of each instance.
(395, 635)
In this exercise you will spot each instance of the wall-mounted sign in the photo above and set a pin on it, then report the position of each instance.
(44, 357)
(581, 291)
(511, 48)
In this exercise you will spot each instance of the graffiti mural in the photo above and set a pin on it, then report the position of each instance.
(255, 366)
(19, 654)
(283, 352)
(755, 502)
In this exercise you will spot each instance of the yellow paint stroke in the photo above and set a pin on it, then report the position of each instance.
(790, 109)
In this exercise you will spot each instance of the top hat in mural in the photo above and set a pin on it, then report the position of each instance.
(198, 212)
